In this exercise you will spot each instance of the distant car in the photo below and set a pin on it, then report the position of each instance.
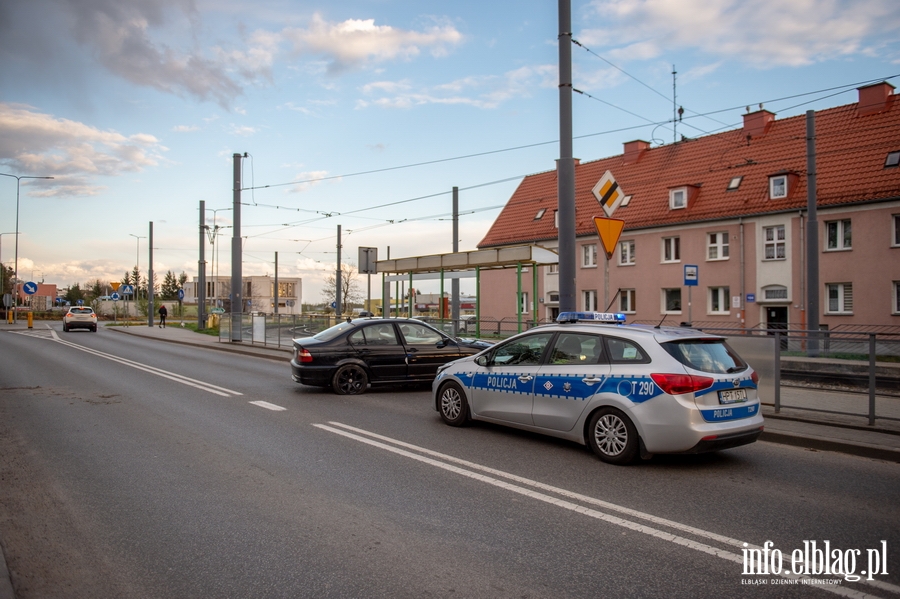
(622, 390)
(80, 317)
(351, 355)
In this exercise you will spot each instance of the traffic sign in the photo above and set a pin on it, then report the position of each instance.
(608, 193)
(751, 298)
(691, 275)
(181, 294)
(217, 311)
(30, 288)
(127, 289)
(80, 302)
(114, 297)
(115, 285)
(367, 259)
(609, 230)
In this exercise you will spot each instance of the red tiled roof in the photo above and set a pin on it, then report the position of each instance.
(851, 152)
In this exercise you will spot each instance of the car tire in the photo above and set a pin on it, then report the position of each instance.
(65, 328)
(452, 405)
(612, 436)
(94, 329)
(350, 379)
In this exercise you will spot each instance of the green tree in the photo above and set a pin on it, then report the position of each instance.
(6, 279)
(74, 293)
(169, 289)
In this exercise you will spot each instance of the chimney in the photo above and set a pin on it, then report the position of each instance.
(756, 123)
(874, 98)
(634, 150)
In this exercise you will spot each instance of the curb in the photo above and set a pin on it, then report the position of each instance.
(258, 353)
(822, 444)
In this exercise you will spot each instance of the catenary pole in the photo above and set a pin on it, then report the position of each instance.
(812, 236)
(201, 271)
(565, 166)
(237, 285)
(150, 278)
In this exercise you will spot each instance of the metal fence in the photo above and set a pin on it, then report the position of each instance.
(863, 360)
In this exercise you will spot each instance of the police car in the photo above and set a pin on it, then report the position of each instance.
(623, 390)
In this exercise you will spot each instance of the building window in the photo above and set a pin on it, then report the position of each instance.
(893, 159)
(840, 298)
(626, 300)
(553, 269)
(717, 246)
(556, 218)
(678, 198)
(672, 300)
(718, 300)
(589, 300)
(626, 252)
(540, 213)
(895, 240)
(778, 187)
(775, 292)
(553, 297)
(774, 242)
(896, 302)
(625, 201)
(671, 249)
(838, 235)
(589, 255)
(734, 183)
(524, 302)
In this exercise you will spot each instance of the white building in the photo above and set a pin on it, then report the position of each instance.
(258, 292)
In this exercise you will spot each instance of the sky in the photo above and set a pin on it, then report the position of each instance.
(364, 114)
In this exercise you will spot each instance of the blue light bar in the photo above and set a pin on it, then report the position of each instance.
(613, 317)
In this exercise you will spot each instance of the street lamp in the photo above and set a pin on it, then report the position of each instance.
(137, 263)
(18, 178)
(2, 270)
(213, 239)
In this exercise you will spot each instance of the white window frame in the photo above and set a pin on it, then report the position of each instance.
(540, 214)
(589, 255)
(734, 183)
(720, 295)
(553, 269)
(895, 231)
(626, 253)
(717, 241)
(775, 242)
(665, 304)
(525, 302)
(778, 181)
(895, 303)
(678, 198)
(840, 228)
(556, 219)
(842, 292)
(589, 300)
(672, 247)
(627, 301)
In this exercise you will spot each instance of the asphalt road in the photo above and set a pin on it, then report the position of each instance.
(128, 469)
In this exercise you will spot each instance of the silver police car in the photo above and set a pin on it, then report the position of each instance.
(623, 390)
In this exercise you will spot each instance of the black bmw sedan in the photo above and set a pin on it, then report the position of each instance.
(351, 355)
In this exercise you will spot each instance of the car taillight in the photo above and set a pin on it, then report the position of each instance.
(678, 384)
(303, 355)
(754, 377)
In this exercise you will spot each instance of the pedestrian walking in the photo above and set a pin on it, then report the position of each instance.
(162, 316)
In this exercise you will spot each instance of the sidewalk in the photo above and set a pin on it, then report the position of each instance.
(791, 426)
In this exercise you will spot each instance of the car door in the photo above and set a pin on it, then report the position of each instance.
(575, 369)
(504, 388)
(377, 345)
(426, 349)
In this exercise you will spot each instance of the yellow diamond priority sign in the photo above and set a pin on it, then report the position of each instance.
(608, 193)
(609, 230)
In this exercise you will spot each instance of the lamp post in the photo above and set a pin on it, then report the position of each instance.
(213, 239)
(2, 271)
(137, 263)
(18, 178)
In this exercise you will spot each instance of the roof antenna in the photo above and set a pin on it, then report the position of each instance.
(674, 107)
(661, 321)
(618, 291)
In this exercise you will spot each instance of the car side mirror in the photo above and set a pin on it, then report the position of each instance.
(444, 342)
(482, 360)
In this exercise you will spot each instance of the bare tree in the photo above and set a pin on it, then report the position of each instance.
(350, 291)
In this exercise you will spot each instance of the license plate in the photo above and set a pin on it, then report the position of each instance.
(732, 396)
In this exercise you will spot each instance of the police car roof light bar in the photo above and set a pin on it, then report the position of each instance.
(608, 317)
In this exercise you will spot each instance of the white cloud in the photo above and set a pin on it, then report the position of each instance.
(73, 153)
(185, 128)
(242, 130)
(306, 180)
(358, 42)
(761, 33)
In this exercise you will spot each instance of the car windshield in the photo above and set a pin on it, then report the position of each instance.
(331, 333)
(706, 355)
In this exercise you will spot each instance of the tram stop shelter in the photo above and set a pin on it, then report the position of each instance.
(464, 265)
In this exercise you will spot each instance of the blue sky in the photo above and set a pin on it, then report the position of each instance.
(136, 107)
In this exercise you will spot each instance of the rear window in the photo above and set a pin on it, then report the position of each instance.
(81, 310)
(706, 355)
(329, 334)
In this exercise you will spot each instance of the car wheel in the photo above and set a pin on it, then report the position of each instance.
(612, 436)
(350, 379)
(453, 406)
(94, 329)
(65, 328)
